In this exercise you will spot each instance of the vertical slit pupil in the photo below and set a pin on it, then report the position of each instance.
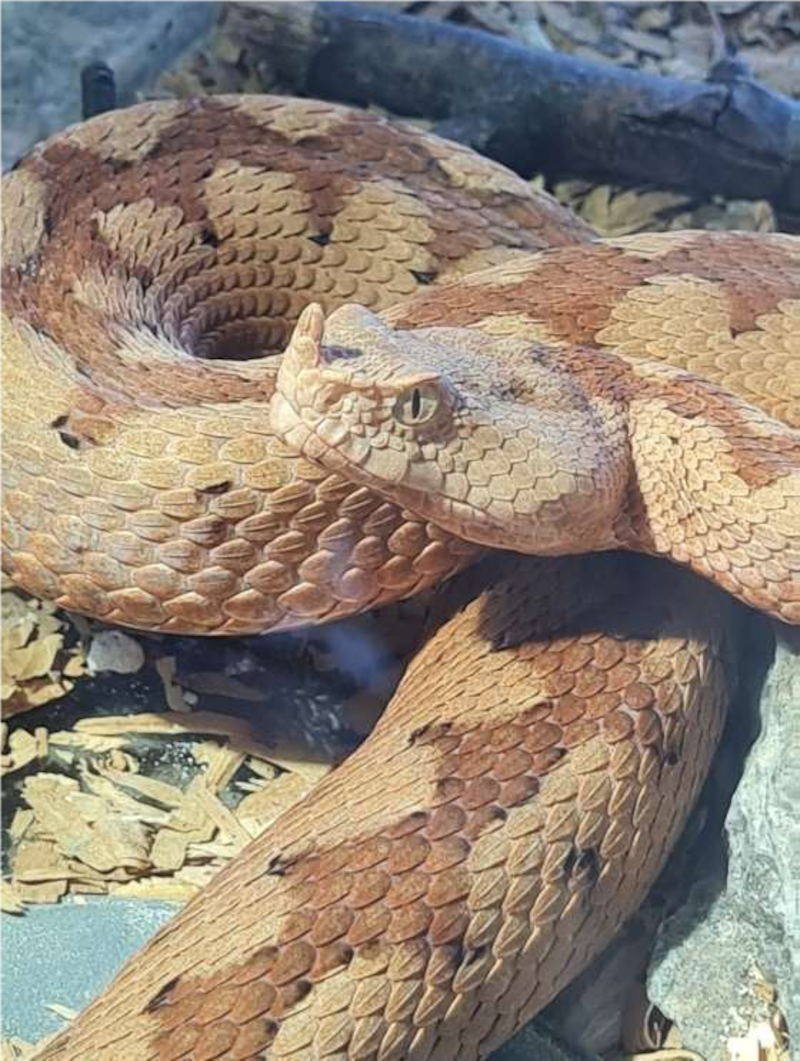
(416, 403)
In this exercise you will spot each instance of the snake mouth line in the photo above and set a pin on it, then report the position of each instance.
(447, 513)
(329, 455)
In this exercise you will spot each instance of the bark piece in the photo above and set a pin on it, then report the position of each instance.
(527, 107)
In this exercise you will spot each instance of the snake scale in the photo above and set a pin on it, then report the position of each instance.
(540, 756)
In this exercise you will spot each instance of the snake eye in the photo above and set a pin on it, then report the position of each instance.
(417, 404)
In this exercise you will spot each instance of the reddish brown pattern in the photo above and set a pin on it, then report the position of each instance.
(574, 293)
(534, 769)
(390, 919)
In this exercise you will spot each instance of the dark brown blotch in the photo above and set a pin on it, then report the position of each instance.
(430, 733)
(279, 865)
(425, 278)
(163, 996)
(583, 865)
(221, 487)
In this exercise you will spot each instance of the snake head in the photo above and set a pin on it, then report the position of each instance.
(347, 395)
(489, 439)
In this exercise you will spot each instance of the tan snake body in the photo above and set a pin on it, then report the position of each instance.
(145, 486)
(538, 761)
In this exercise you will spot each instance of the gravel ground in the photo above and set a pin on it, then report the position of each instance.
(45, 45)
(94, 937)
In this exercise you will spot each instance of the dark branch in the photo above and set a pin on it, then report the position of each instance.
(535, 110)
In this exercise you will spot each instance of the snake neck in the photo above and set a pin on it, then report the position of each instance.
(714, 487)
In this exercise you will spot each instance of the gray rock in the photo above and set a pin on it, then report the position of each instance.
(116, 651)
(66, 955)
(45, 45)
(702, 974)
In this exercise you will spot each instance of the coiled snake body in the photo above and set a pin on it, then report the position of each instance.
(541, 754)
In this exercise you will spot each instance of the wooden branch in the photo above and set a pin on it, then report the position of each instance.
(531, 109)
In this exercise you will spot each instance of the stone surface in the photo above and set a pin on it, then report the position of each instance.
(537, 1043)
(703, 974)
(45, 45)
(94, 937)
(113, 650)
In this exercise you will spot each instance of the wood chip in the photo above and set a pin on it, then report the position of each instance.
(41, 735)
(223, 762)
(103, 845)
(75, 667)
(149, 787)
(650, 43)
(155, 888)
(10, 899)
(22, 745)
(250, 786)
(168, 852)
(239, 731)
(22, 821)
(121, 802)
(34, 660)
(120, 760)
(117, 844)
(225, 819)
(47, 691)
(265, 770)
(192, 821)
(36, 861)
(79, 887)
(221, 850)
(87, 741)
(558, 17)
(49, 892)
(62, 1011)
(15, 1049)
(176, 699)
(198, 876)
